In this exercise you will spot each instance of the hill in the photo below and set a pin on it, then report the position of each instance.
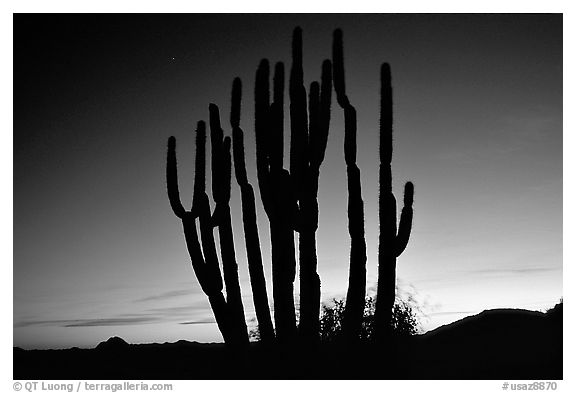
(495, 344)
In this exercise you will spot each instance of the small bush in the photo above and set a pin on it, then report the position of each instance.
(404, 319)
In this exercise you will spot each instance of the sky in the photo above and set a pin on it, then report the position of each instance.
(98, 251)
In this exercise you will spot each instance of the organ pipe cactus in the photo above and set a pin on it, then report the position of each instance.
(254, 255)
(204, 258)
(309, 136)
(290, 200)
(277, 195)
(392, 239)
(354, 310)
(221, 175)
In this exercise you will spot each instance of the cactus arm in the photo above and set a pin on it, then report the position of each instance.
(392, 239)
(355, 296)
(221, 179)
(315, 139)
(236, 103)
(338, 69)
(261, 125)
(216, 142)
(324, 113)
(221, 166)
(200, 165)
(386, 120)
(226, 169)
(283, 259)
(239, 159)
(387, 215)
(249, 220)
(208, 243)
(308, 222)
(276, 140)
(205, 266)
(405, 225)
(230, 270)
(350, 135)
(275, 191)
(172, 179)
(195, 252)
(209, 279)
(202, 207)
(299, 154)
(238, 135)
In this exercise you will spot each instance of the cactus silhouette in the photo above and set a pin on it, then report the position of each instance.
(277, 195)
(254, 255)
(229, 312)
(290, 200)
(392, 240)
(204, 258)
(221, 178)
(355, 297)
(309, 136)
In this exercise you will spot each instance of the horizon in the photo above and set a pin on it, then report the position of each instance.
(117, 339)
(98, 253)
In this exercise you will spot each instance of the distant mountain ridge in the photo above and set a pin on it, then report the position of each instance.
(494, 344)
(113, 343)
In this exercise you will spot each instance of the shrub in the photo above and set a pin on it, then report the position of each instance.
(405, 321)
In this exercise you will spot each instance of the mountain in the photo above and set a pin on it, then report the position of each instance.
(499, 344)
(113, 344)
(495, 344)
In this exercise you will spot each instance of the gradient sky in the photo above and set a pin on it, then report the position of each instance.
(98, 251)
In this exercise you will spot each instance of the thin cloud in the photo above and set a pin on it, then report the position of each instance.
(112, 322)
(178, 310)
(199, 322)
(520, 270)
(88, 322)
(167, 295)
(492, 272)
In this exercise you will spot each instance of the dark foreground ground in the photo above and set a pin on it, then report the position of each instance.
(496, 344)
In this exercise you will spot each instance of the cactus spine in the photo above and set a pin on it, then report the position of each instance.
(254, 255)
(355, 297)
(309, 137)
(392, 240)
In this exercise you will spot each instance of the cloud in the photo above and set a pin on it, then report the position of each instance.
(197, 312)
(519, 270)
(111, 322)
(199, 322)
(180, 310)
(88, 322)
(167, 295)
(200, 312)
(455, 276)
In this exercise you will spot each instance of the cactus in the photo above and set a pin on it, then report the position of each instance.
(290, 200)
(355, 297)
(309, 137)
(204, 258)
(255, 268)
(221, 176)
(392, 240)
(277, 195)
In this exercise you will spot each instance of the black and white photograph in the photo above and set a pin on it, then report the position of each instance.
(288, 196)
